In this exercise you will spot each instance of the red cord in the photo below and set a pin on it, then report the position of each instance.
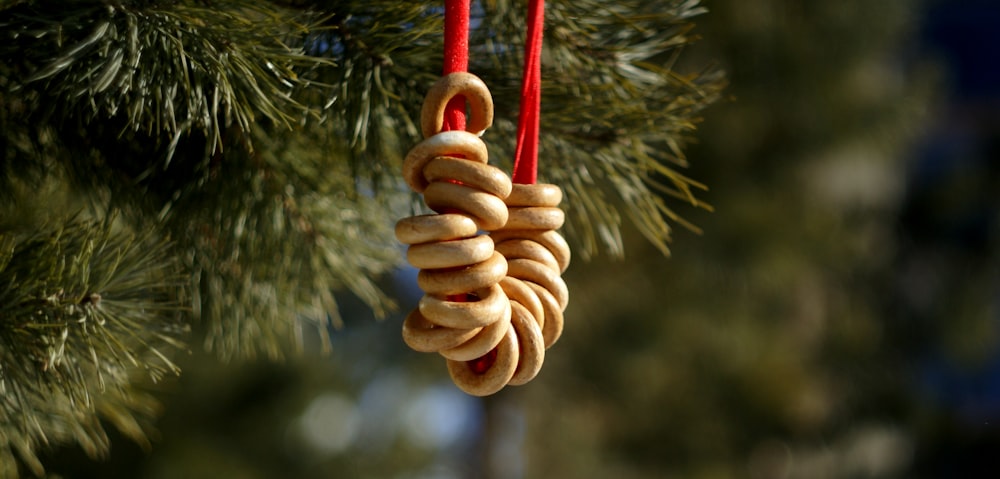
(456, 59)
(456, 56)
(526, 152)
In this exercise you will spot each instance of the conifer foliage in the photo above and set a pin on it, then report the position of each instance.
(191, 174)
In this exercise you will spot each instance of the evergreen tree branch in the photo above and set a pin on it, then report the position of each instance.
(83, 311)
(386, 54)
(166, 67)
(271, 236)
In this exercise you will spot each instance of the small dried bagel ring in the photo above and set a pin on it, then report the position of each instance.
(538, 194)
(551, 240)
(555, 243)
(553, 325)
(481, 343)
(450, 253)
(426, 228)
(530, 345)
(535, 218)
(519, 292)
(488, 211)
(535, 272)
(443, 282)
(476, 94)
(424, 336)
(488, 309)
(446, 143)
(517, 248)
(496, 377)
(488, 178)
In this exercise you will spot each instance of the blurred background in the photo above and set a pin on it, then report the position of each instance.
(837, 317)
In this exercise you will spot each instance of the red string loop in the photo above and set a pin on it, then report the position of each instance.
(456, 59)
(526, 152)
(456, 56)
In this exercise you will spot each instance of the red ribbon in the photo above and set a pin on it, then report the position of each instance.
(456, 59)
(526, 152)
(456, 56)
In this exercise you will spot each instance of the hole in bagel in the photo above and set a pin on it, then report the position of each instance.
(463, 297)
(483, 363)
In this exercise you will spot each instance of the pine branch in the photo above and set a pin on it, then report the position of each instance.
(271, 236)
(168, 68)
(386, 54)
(83, 311)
